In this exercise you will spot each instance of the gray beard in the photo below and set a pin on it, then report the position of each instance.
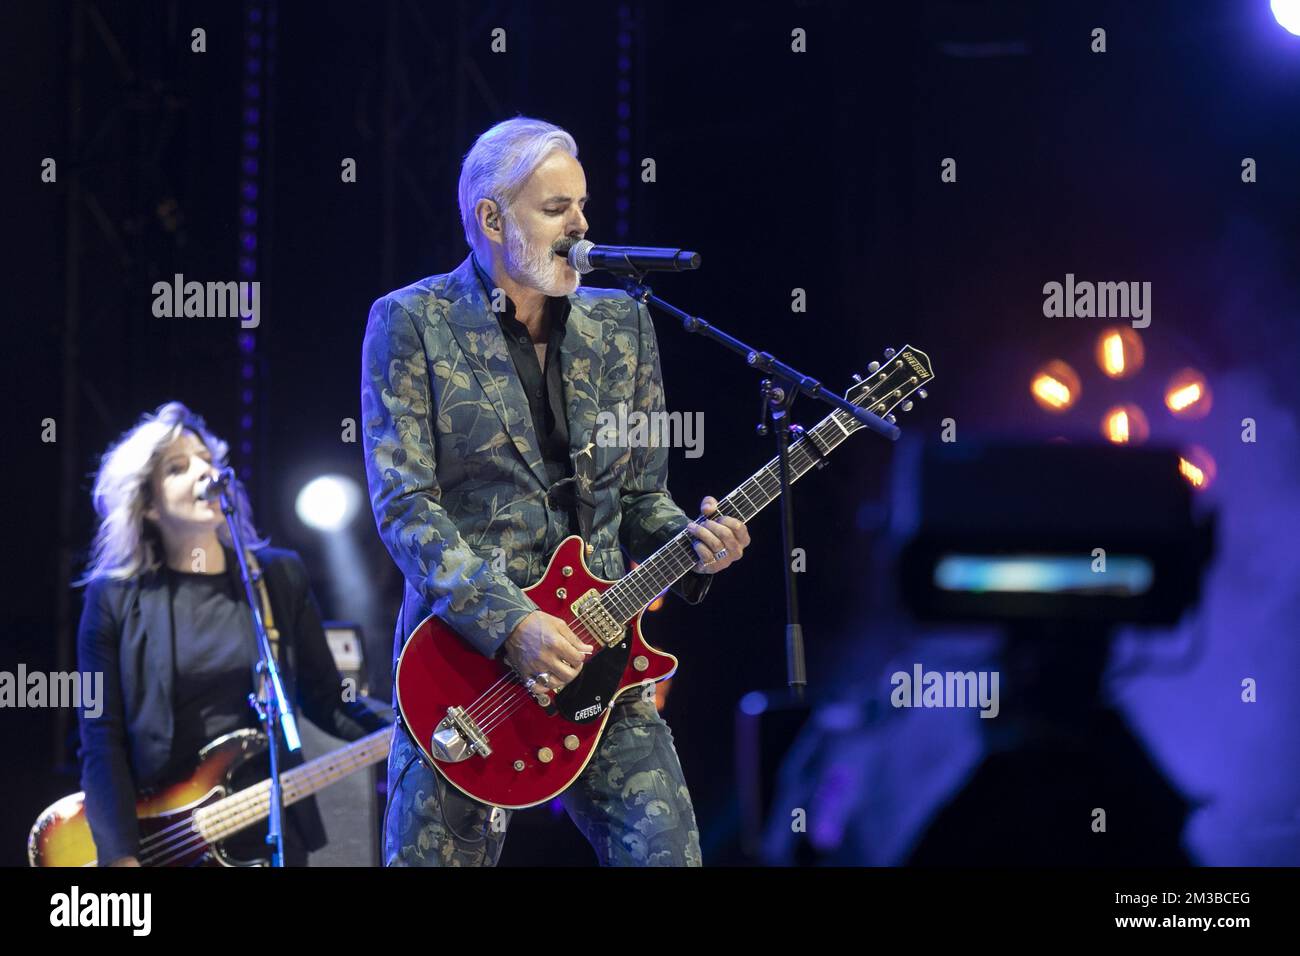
(536, 267)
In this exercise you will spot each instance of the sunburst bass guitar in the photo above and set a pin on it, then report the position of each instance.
(184, 824)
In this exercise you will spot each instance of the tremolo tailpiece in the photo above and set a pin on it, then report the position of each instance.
(457, 737)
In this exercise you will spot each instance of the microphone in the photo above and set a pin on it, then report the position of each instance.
(585, 256)
(213, 487)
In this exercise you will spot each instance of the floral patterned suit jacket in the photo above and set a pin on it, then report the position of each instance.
(455, 474)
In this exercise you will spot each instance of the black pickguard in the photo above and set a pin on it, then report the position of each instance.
(595, 683)
(248, 847)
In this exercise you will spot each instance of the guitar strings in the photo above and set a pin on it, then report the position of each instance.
(512, 700)
(487, 709)
(481, 711)
(223, 809)
(241, 811)
(248, 806)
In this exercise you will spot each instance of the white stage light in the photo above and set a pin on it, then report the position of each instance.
(328, 503)
(1287, 13)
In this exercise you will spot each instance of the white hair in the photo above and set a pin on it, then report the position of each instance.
(500, 162)
(125, 543)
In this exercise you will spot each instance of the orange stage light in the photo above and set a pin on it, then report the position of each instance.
(1198, 467)
(661, 692)
(1055, 386)
(1119, 352)
(1125, 425)
(1188, 395)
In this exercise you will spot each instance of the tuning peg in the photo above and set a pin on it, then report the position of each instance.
(889, 353)
(872, 367)
(907, 406)
(922, 393)
(857, 377)
(890, 419)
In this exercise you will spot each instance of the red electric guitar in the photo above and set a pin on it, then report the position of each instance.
(502, 744)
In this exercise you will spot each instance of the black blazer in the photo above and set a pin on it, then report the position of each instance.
(126, 633)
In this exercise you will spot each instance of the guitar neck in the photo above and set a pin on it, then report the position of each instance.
(886, 388)
(674, 560)
(232, 814)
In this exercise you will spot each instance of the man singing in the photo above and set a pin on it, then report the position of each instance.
(480, 392)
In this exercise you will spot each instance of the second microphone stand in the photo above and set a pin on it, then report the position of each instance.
(777, 402)
(271, 702)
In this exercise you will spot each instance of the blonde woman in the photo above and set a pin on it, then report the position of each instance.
(165, 621)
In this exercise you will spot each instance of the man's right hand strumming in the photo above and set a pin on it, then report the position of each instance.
(543, 644)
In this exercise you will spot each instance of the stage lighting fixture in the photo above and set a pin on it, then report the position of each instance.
(1055, 386)
(1119, 352)
(1198, 467)
(1188, 394)
(328, 503)
(1287, 14)
(1010, 533)
(1125, 425)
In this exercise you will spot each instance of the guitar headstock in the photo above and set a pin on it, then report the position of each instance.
(890, 384)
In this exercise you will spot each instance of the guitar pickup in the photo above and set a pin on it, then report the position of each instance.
(458, 738)
(602, 625)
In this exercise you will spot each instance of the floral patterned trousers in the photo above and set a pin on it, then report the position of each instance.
(630, 802)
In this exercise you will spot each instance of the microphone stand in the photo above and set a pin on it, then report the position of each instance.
(270, 702)
(777, 401)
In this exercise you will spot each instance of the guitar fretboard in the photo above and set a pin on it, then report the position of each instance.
(243, 809)
(677, 557)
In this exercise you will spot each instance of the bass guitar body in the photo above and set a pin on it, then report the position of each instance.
(168, 837)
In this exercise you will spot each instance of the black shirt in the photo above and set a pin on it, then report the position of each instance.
(214, 653)
(544, 388)
(214, 648)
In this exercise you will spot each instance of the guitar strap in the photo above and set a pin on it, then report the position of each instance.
(584, 474)
(264, 598)
(574, 495)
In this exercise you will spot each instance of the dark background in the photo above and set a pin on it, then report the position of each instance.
(816, 170)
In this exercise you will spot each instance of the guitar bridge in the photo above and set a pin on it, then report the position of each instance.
(602, 625)
(457, 737)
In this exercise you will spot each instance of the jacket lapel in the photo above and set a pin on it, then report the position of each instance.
(155, 609)
(582, 364)
(476, 328)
